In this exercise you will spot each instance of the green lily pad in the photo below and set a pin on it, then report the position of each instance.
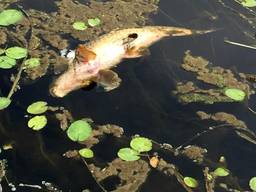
(16, 52)
(4, 102)
(86, 153)
(128, 154)
(32, 62)
(79, 130)
(141, 144)
(38, 122)
(7, 62)
(221, 172)
(10, 16)
(249, 3)
(252, 183)
(235, 94)
(38, 107)
(79, 25)
(93, 22)
(190, 182)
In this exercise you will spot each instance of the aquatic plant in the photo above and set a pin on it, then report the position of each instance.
(37, 122)
(252, 183)
(235, 94)
(4, 102)
(94, 22)
(79, 130)
(221, 172)
(31, 63)
(38, 107)
(79, 25)
(248, 3)
(190, 182)
(10, 16)
(86, 153)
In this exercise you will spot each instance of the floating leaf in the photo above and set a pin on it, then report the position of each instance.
(221, 172)
(86, 153)
(154, 161)
(249, 3)
(252, 183)
(128, 154)
(2, 51)
(32, 62)
(79, 25)
(16, 52)
(37, 108)
(141, 144)
(190, 182)
(38, 122)
(10, 16)
(7, 62)
(4, 102)
(93, 22)
(235, 94)
(79, 130)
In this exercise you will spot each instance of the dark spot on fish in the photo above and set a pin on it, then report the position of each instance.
(133, 35)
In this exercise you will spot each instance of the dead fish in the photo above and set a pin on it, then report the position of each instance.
(93, 60)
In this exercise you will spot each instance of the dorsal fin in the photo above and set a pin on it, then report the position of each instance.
(83, 54)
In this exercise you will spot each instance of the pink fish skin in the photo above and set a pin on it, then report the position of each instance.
(109, 50)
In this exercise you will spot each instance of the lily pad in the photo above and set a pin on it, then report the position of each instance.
(93, 22)
(141, 144)
(7, 62)
(79, 130)
(128, 154)
(38, 107)
(221, 172)
(79, 25)
(38, 122)
(4, 102)
(235, 94)
(10, 16)
(32, 62)
(252, 183)
(190, 182)
(249, 3)
(86, 153)
(16, 52)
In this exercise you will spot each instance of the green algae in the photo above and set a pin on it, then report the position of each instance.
(220, 78)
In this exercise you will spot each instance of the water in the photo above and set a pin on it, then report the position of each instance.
(143, 104)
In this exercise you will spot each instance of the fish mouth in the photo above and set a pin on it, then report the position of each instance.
(54, 92)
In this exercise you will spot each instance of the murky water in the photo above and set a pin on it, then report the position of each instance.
(143, 104)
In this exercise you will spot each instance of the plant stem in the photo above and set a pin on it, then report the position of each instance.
(17, 78)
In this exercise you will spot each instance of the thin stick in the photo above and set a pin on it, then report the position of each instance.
(16, 81)
(102, 188)
(239, 44)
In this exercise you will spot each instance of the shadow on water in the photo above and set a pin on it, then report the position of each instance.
(143, 104)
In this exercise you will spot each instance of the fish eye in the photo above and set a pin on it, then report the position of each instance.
(133, 35)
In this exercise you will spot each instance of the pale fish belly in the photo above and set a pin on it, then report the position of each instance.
(109, 55)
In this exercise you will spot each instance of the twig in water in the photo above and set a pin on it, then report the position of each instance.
(239, 44)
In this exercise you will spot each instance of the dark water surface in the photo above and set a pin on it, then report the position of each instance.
(143, 104)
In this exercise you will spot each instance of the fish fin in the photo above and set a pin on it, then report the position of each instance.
(108, 79)
(137, 52)
(83, 54)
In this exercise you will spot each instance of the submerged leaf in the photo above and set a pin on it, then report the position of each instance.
(16, 52)
(235, 94)
(10, 16)
(79, 130)
(221, 172)
(141, 144)
(249, 3)
(252, 183)
(37, 107)
(32, 62)
(4, 102)
(7, 62)
(190, 182)
(128, 154)
(38, 122)
(93, 22)
(79, 25)
(86, 153)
